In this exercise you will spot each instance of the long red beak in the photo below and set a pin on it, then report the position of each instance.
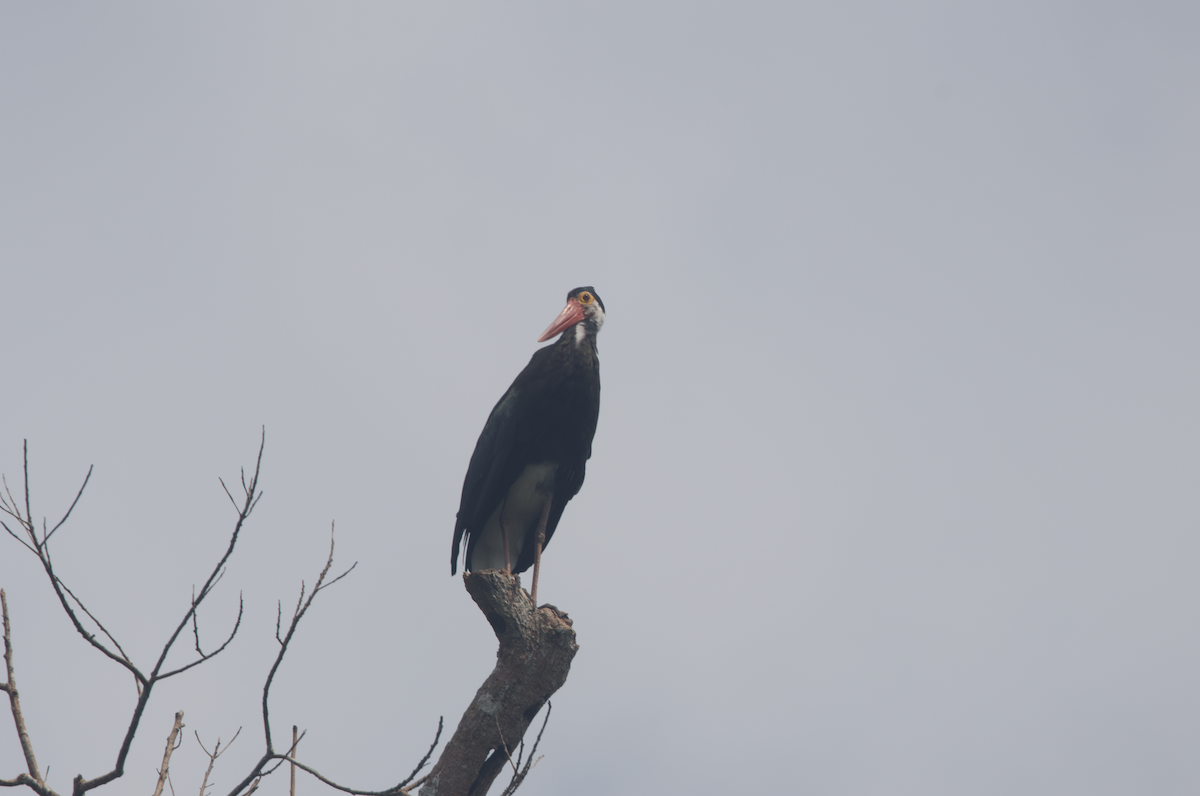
(571, 315)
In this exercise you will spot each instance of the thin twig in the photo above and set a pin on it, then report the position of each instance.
(507, 751)
(42, 550)
(28, 510)
(407, 789)
(196, 625)
(18, 538)
(330, 782)
(424, 759)
(227, 492)
(103, 630)
(62, 592)
(213, 755)
(9, 505)
(530, 762)
(302, 606)
(291, 752)
(171, 747)
(339, 577)
(392, 791)
(81, 785)
(237, 624)
(14, 702)
(74, 608)
(86, 478)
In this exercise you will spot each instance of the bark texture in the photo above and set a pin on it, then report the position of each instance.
(536, 648)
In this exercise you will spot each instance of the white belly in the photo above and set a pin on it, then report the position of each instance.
(523, 508)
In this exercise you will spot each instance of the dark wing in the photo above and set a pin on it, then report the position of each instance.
(568, 479)
(487, 478)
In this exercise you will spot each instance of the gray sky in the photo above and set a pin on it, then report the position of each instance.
(894, 489)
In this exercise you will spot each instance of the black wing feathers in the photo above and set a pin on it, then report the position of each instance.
(549, 414)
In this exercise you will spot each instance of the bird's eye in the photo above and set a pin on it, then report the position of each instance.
(585, 298)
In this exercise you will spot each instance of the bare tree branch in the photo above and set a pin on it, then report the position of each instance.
(213, 755)
(283, 758)
(86, 478)
(237, 624)
(536, 649)
(424, 759)
(171, 747)
(18, 538)
(392, 791)
(9, 506)
(41, 549)
(260, 770)
(62, 592)
(295, 743)
(196, 623)
(330, 782)
(11, 503)
(302, 607)
(69, 600)
(29, 782)
(230, 494)
(339, 577)
(33, 777)
(28, 510)
(530, 762)
(103, 630)
(82, 785)
(76, 610)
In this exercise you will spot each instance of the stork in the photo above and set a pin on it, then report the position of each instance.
(530, 458)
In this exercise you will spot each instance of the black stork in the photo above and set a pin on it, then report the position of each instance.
(530, 459)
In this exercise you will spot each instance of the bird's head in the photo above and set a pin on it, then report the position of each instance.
(582, 305)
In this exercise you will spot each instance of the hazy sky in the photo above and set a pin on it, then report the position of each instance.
(895, 484)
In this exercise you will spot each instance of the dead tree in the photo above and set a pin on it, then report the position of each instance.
(536, 648)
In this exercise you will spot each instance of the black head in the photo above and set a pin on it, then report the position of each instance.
(578, 293)
(582, 305)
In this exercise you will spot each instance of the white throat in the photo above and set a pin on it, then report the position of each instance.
(596, 316)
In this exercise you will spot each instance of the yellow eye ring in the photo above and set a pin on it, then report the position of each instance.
(585, 298)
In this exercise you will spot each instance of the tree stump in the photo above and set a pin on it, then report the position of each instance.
(536, 649)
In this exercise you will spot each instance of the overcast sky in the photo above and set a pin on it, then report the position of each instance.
(895, 484)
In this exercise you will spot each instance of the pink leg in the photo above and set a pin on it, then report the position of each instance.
(504, 533)
(538, 541)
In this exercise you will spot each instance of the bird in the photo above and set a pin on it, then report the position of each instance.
(531, 456)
